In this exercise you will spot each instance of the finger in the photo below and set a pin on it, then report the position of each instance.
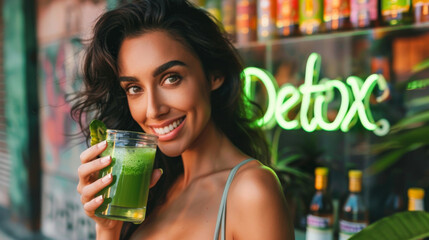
(156, 175)
(92, 205)
(90, 190)
(86, 169)
(93, 152)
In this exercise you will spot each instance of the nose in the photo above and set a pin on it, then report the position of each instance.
(156, 105)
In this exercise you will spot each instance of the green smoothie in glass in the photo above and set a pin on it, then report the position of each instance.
(132, 156)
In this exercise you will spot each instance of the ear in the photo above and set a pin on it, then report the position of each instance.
(216, 81)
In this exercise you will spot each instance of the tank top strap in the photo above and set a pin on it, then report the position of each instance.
(220, 222)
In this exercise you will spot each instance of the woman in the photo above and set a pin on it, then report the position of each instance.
(165, 68)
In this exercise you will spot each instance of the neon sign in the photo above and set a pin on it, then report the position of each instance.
(314, 98)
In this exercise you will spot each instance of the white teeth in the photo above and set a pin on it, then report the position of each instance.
(169, 128)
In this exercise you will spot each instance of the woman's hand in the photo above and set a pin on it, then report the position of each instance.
(89, 185)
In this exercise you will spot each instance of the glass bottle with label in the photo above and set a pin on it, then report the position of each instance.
(421, 11)
(228, 18)
(364, 13)
(246, 21)
(310, 16)
(354, 214)
(396, 12)
(415, 199)
(321, 215)
(266, 19)
(287, 21)
(336, 15)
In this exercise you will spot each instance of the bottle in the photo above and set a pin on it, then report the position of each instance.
(228, 18)
(354, 214)
(364, 13)
(321, 214)
(421, 11)
(287, 21)
(310, 16)
(246, 21)
(266, 19)
(415, 199)
(336, 15)
(396, 12)
(214, 7)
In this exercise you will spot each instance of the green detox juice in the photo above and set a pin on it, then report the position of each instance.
(125, 198)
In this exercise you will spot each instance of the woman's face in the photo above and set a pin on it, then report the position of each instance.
(167, 91)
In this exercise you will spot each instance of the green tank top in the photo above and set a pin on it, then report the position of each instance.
(220, 222)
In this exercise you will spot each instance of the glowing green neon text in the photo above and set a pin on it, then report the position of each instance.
(315, 97)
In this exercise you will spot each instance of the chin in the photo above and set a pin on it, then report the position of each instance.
(170, 152)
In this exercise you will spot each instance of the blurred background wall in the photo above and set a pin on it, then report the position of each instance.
(41, 47)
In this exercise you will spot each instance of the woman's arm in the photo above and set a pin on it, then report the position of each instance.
(257, 207)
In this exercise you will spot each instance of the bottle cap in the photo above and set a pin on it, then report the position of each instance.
(323, 171)
(355, 174)
(417, 193)
(321, 180)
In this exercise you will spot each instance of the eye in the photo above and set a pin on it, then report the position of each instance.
(172, 79)
(133, 90)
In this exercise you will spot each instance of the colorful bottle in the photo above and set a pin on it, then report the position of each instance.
(364, 13)
(214, 7)
(421, 11)
(266, 19)
(415, 199)
(310, 16)
(321, 215)
(228, 18)
(336, 15)
(287, 21)
(354, 214)
(246, 21)
(396, 12)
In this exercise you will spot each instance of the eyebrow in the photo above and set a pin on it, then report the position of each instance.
(164, 67)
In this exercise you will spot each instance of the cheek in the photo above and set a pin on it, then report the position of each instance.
(138, 112)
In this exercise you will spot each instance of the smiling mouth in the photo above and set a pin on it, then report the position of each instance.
(169, 128)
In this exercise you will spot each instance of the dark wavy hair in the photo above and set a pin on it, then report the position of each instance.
(104, 99)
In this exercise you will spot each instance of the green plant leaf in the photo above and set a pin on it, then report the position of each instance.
(384, 162)
(293, 171)
(404, 140)
(97, 131)
(289, 160)
(400, 226)
(411, 120)
(421, 66)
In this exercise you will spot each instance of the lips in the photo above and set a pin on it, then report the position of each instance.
(169, 128)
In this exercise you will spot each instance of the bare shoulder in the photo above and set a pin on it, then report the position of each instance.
(255, 182)
(256, 206)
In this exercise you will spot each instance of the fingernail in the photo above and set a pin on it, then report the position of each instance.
(106, 178)
(105, 160)
(162, 171)
(102, 144)
(99, 199)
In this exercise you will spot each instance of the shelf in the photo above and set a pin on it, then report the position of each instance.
(377, 32)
